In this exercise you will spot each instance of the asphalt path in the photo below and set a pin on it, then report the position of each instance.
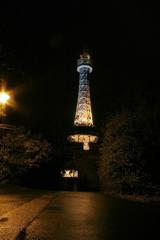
(12, 197)
(94, 216)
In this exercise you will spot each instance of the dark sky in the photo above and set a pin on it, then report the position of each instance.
(43, 42)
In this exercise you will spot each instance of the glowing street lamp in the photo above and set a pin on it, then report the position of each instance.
(4, 100)
(4, 97)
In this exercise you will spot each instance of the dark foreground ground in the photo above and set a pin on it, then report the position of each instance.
(93, 216)
(78, 215)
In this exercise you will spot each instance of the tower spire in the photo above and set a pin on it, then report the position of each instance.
(83, 116)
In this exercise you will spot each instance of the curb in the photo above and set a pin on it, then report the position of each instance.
(15, 221)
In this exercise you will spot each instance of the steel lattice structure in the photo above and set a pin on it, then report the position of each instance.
(83, 115)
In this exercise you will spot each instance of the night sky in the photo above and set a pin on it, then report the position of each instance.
(43, 42)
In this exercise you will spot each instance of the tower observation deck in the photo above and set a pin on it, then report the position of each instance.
(83, 122)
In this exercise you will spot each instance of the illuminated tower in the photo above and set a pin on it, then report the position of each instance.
(83, 122)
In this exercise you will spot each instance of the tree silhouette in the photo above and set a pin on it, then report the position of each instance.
(21, 151)
(125, 152)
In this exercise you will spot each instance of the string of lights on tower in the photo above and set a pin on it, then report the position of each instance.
(83, 122)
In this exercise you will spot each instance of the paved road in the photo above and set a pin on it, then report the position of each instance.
(93, 216)
(12, 197)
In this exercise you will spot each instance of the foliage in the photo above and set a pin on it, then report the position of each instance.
(21, 151)
(124, 153)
